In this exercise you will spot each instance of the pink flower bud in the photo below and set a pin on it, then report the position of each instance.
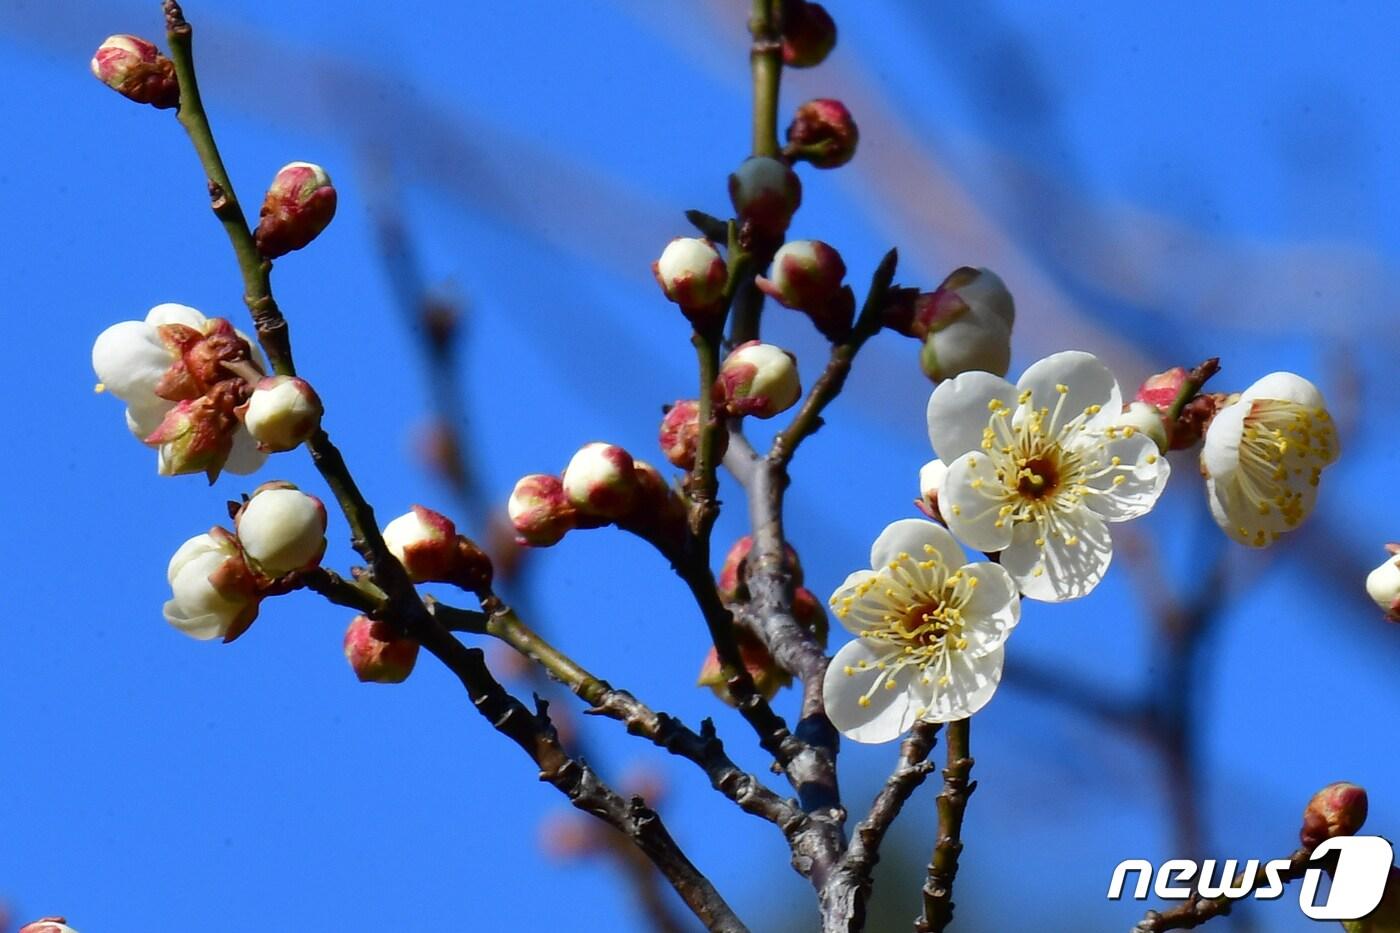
(1162, 389)
(428, 546)
(680, 434)
(213, 593)
(601, 481)
(758, 379)
(809, 34)
(823, 133)
(657, 513)
(298, 206)
(1337, 810)
(539, 511)
(765, 194)
(1383, 584)
(734, 573)
(931, 477)
(692, 274)
(378, 653)
(135, 69)
(282, 530)
(805, 274)
(282, 412)
(767, 676)
(48, 924)
(197, 435)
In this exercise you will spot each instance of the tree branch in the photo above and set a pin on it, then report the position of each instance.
(1196, 910)
(952, 803)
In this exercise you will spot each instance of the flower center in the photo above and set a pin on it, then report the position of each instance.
(1038, 477)
(923, 624)
(1282, 452)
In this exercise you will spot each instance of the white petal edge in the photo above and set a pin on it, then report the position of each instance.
(1088, 382)
(914, 536)
(1068, 571)
(890, 712)
(958, 413)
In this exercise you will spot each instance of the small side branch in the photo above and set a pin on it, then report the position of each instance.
(952, 803)
(1196, 910)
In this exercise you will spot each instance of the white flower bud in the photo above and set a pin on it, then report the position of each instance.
(758, 379)
(47, 925)
(601, 480)
(282, 530)
(213, 594)
(539, 511)
(691, 272)
(968, 343)
(282, 412)
(1383, 586)
(931, 476)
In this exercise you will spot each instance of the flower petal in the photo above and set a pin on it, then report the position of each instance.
(1125, 475)
(920, 539)
(171, 313)
(1220, 450)
(853, 673)
(244, 458)
(1240, 517)
(1087, 382)
(143, 417)
(971, 500)
(850, 609)
(130, 360)
(971, 683)
(958, 412)
(991, 611)
(203, 626)
(1064, 561)
(1290, 387)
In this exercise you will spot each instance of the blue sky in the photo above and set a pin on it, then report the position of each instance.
(1154, 185)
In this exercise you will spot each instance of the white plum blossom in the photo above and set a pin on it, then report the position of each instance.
(282, 412)
(1263, 456)
(141, 363)
(1036, 470)
(929, 634)
(213, 594)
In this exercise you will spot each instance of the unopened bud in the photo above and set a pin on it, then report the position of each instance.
(931, 476)
(680, 434)
(48, 924)
(1161, 390)
(1383, 584)
(692, 274)
(765, 193)
(805, 274)
(966, 344)
(298, 206)
(196, 436)
(378, 653)
(600, 481)
(1337, 810)
(758, 379)
(657, 513)
(428, 546)
(767, 676)
(213, 592)
(540, 512)
(282, 530)
(135, 69)
(734, 573)
(809, 34)
(282, 412)
(823, 133)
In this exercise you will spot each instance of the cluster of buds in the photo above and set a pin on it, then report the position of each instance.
(807, 275)
(765, 193)
(680, 434)
(965, 324)
(378, 653)
(135, 69)
(431, 551)
(809, 34)
(823, 134)
(298, 205)
(757, 379)
(219, 579)
(602, 484)
(692, 273)
(195, 391)
(1383, 584)
(1159, 393)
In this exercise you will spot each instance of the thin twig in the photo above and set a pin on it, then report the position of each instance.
(1196, 910)
(952, 803)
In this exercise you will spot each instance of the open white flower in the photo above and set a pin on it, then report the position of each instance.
(1263, 456)
(1037, 469)
(929, 634)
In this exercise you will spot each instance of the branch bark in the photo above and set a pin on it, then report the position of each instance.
(952, 803)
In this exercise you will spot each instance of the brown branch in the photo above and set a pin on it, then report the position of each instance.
(532, 731)
(1196, 910)
(952, 803)
(845, 894)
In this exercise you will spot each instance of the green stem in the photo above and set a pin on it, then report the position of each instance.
(1192, 386)
(766, 63)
